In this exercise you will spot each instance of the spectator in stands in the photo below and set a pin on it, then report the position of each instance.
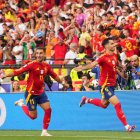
(1, 54)
(39, 38)
(29, 46)
(16, 86)
(88, 49)
(72, 34)
(84, 36)
(76, 76)
(81, 54)
(94, 73)
(80, 16)
(134, 60)
(88, 3)
(1, 48)
(60, 50)
(67, 82)
(71, 55)
(129, 45)
(17, 51)
(86, 85)
(22, 79)
(21, 26)
(31, 26)
(51, 42)
(8, 57)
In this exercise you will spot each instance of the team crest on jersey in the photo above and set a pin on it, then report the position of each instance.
(42, 71)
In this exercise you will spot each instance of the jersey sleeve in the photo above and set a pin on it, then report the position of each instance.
(100, 59)
(23, 69)
(51, 72)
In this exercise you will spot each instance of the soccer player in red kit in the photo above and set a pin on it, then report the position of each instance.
(108, 63)
(35, 94)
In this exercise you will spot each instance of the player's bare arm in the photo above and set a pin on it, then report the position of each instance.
(86, 67)
(7, 75)
(122, 73)
(58, 79)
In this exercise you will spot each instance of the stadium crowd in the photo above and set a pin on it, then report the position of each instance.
(72, 32)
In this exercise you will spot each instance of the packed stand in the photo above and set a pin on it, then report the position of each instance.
(72, 32)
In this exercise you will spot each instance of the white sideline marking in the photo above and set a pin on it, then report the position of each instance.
(136, 138)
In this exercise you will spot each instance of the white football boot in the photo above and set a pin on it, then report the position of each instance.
(19, 102)
(45, 133)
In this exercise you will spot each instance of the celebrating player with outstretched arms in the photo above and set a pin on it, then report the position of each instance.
(35, 94)
(108, 63)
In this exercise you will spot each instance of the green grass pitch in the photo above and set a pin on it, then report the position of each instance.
(69, 135)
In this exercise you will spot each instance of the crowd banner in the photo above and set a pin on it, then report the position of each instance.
(67, 115)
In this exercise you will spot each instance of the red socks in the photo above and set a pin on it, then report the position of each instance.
(47, 117)
(26, 111)
(117, 107)
(120, 114)
(96, 102)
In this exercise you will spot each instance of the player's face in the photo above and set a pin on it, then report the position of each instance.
(111, 46)
(39, 55)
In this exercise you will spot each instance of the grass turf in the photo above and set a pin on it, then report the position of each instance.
(69, 135)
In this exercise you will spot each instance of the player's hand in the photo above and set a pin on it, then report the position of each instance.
(79, 68)
(3, 76)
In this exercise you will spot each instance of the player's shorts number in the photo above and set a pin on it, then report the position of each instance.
(2, 112)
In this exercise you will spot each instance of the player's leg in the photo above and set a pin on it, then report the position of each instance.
(95, 101)
(119, 112)
(99, 102)
(30, 108)
(103, 103)
(45, 105)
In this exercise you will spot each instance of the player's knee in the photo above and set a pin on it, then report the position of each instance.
(49, 110)
(104, 106)
(118, 106)
(33, 116)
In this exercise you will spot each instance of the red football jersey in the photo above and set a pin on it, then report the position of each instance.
(37, 71)
(130, 45)
(108, 72)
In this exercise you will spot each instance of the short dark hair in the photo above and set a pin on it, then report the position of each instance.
(106, 41)
(41, 48)
(86, 75)
(68, 79)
